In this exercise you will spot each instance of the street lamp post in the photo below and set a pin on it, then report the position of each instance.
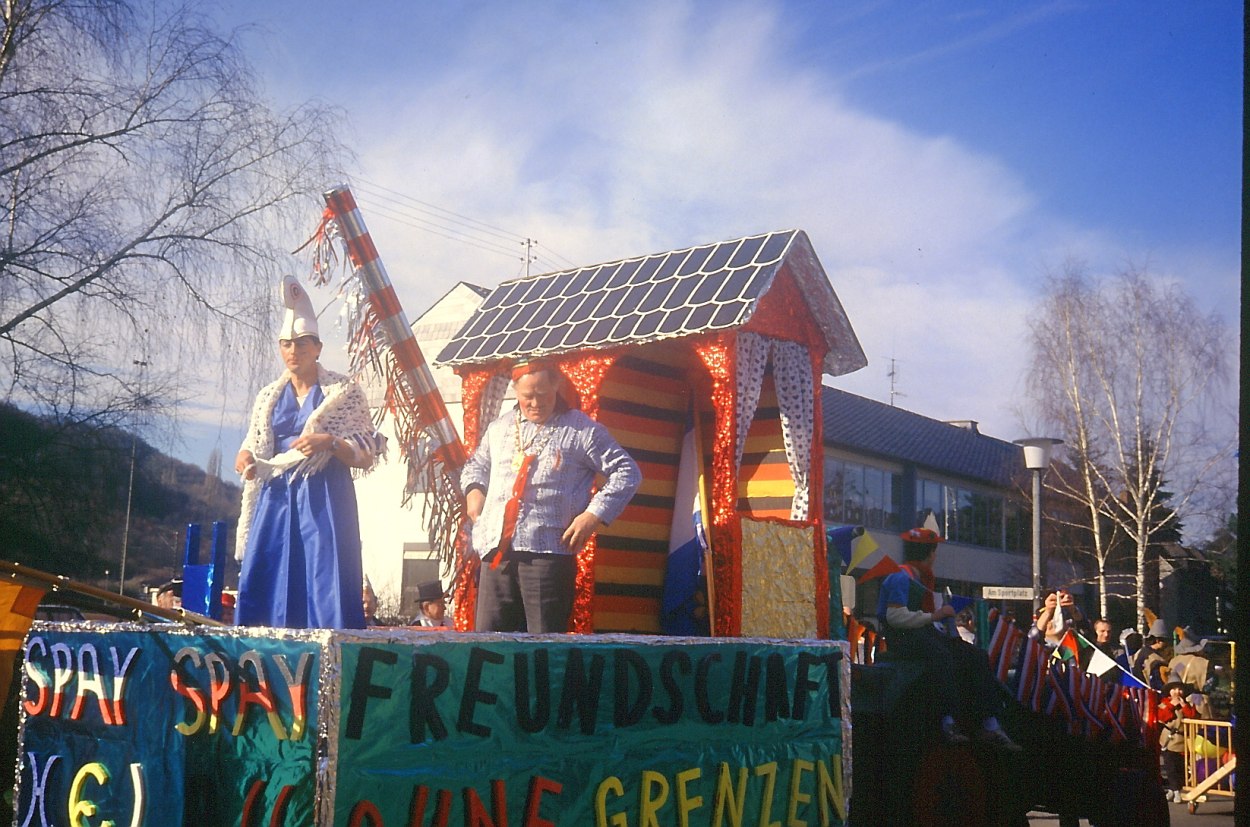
(1037, 459)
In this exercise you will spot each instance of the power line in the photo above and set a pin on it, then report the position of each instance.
(410, 203)
(442, 232)
(562, 258)
(453, 226)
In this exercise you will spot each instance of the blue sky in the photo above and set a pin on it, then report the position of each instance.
(942, 156)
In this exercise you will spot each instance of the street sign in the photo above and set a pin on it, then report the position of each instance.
(1006, 593)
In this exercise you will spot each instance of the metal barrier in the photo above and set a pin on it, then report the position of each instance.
(1209, 760)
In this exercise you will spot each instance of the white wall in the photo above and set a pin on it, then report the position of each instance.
(385, 526)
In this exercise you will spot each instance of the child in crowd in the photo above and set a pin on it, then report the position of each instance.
(1171, 712)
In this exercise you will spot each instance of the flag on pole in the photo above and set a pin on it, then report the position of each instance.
(1113, 713)
(379, 336)
(1079, 691)
(18, 602)
(1069, 648)
(993, 644)
(1030, 690)
(682, 612)
(1102, 665)
(1144, 702)
(1004, 644)
(1060, 701)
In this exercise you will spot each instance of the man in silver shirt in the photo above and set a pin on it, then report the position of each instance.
(528, 492)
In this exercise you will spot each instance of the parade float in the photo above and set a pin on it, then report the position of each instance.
(713, 354)
(708, 676)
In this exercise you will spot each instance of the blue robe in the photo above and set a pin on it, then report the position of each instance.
(302, 566)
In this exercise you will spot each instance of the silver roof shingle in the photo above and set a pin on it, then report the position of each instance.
(646, 299)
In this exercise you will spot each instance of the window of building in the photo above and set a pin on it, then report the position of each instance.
(931, 499)
(1017, 527)
(972, 517)
(857, 494)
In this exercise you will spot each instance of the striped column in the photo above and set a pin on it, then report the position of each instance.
(430, 412)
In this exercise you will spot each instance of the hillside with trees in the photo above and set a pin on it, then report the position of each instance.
(63, 495)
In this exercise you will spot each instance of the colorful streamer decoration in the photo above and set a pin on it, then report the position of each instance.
(379, 336)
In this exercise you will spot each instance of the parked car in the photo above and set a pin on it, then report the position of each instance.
(62, 614)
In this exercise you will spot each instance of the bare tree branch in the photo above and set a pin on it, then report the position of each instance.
(150, 194)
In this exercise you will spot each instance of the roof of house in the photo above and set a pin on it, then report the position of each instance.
(649, 298)
(868, 426)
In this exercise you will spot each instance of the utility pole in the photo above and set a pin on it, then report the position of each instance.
(529, 253)
(130, 490)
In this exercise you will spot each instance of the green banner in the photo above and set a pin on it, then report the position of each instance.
(159, 726)
(589, 732)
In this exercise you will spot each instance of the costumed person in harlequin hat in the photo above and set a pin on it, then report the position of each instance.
(431, 606)
(959, 673)
(1189, 662)
(299, 533)
(528, 492)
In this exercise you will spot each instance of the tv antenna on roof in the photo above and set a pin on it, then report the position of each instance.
(893, 374)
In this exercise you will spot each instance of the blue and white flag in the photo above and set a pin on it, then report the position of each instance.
(684, 609)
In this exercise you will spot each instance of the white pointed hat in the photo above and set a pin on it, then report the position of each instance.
(300, 319)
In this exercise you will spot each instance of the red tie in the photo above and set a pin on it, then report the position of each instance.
(512, 508)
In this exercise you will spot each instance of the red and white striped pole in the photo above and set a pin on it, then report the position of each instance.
(426, 402)
(428, 440)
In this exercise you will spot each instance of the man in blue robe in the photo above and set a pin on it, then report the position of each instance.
(299, 531)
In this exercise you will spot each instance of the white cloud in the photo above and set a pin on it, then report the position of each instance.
(669, 129)
(654, 126)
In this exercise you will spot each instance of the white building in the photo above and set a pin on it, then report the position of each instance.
(396, 554)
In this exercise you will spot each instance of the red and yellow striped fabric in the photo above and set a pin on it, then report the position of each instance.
(643, 402)
(765, 486)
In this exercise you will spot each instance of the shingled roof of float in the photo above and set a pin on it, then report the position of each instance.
(649, 298)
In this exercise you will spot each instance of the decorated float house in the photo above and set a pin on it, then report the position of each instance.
(750, 720)
(162, 724)
(731, 339)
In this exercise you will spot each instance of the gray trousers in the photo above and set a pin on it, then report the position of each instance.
(528, 592)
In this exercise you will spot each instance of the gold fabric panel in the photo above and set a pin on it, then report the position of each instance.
(778, 580)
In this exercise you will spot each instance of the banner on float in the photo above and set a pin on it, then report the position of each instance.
(135, 726)
(143, 725)
(590, 731)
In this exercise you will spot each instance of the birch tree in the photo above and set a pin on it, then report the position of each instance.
(1125, 370)
(149, 196)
